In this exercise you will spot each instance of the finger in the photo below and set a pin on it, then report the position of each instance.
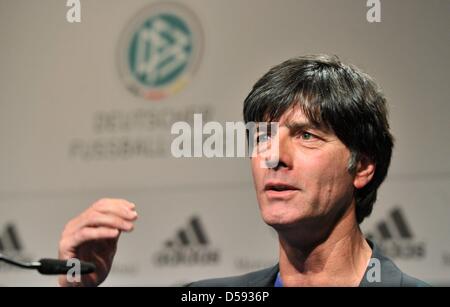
(102, 205)
(97, 219)
(119, 209)
(115, 201)
(94, 233)
(70, 243)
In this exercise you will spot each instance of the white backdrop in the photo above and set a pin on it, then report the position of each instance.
(60, 80)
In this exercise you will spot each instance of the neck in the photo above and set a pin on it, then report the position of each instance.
(338, 259)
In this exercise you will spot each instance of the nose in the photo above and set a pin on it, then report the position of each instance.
(281, 156)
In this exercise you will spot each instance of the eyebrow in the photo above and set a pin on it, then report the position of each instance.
(301, 126)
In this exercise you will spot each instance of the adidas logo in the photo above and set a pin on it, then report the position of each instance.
(395, 237)
(193, 234)
(10, 242)
(11, 245)
(396, 227)
(189, 246)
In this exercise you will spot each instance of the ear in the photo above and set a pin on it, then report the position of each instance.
(364, 172)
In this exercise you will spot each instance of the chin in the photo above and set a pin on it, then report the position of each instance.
(281, 215)
(280, 218)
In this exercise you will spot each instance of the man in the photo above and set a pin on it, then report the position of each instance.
(334, 152)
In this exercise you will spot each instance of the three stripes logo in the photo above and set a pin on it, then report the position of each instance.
(11, 245)
(395, 237)
(189, 246)
(10, 242)
(193, 234)
(398, 227)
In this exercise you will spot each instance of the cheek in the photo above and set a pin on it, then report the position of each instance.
(325, 171)
(257, 172)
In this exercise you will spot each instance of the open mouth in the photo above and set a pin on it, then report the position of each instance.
(280, 191)
(279, 187)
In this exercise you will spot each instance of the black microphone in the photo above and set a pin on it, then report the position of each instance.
(58, 267)
(51, 266)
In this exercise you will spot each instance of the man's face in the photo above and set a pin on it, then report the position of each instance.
(311, 180)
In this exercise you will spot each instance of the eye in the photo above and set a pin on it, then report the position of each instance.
(262, 138)
(306, 136)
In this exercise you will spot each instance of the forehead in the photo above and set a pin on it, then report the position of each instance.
(295, 119)
(295, 116)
